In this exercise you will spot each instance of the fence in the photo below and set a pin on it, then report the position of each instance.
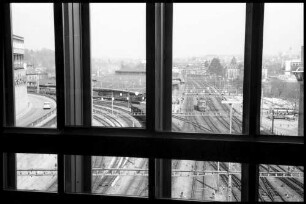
(41, 119)
(49, 114)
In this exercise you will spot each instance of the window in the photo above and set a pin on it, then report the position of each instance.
(37, 172)
(207, 74)
(282, 98)
(118, 65)
(206, 181)
(160, 152)
(34, 65)
(279, 183)
(120, 176)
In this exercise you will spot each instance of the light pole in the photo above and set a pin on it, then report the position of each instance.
(231, 102)
(112, 102)
(229, 183)
(272, 118)
(128, 100)
(37, 82)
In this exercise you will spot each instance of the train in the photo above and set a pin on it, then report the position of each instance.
(282, 113)
(49, 89)
(201, 105)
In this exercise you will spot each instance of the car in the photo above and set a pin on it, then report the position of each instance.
(46, 105)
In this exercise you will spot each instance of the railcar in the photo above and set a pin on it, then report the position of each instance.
(201, 105)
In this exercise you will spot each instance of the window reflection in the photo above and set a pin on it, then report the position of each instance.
(36, 172)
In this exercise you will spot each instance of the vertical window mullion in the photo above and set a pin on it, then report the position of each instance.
(60, 97)
(9, 170)
(86, 88)
(252, 93)
(78, 89)
(163, 54)
(150, 88)
(1, 96)
(9, 92)
(150, 66)
(86, 65)
(9, 159)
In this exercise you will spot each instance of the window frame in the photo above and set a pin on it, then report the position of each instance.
(156, 141)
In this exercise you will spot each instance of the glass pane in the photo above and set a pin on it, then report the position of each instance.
(118, 64)
(125, 176)
(34, 65)
(278, 183)
(282, 98)
(207, 75)
(206, 181)
(37, 172)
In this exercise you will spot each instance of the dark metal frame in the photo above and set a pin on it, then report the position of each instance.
(250, 149)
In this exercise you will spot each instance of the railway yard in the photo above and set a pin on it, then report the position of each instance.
(219, 181)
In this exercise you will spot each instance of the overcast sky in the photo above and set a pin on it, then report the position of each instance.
(35, 23)
(283, 28)
(118, 30)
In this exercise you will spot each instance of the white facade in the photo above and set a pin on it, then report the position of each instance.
(292, 65)
(20, 79)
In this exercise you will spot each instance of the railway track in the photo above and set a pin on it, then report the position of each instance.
(139, 181)
(196, 124)
(100, 120)
(222, 120)
(292, 183)
(294, 180)
(236, 125)
(198, 183)
(53, 186)
(224, 179)
(105, 113)
(235, 179)
(236, 121)
(211, 124)
(268, 189)
(190, 108)
(126, 116)
(101, 184)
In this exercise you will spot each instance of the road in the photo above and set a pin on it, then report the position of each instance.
(36, 110)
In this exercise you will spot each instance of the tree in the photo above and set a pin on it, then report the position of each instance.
(206, 63)
(278, 87)
(41, 58)
(215, 67)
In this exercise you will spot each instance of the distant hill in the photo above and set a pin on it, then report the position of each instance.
(41, 58)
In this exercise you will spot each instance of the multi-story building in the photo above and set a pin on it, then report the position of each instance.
(292, 65)
(34, 76)
(20, 80)
(233, 70)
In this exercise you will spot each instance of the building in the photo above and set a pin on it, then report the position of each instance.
(34, 76)
(233, 70)
(292, 65)
(20, 80)
(264, 73)
(132, 69)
